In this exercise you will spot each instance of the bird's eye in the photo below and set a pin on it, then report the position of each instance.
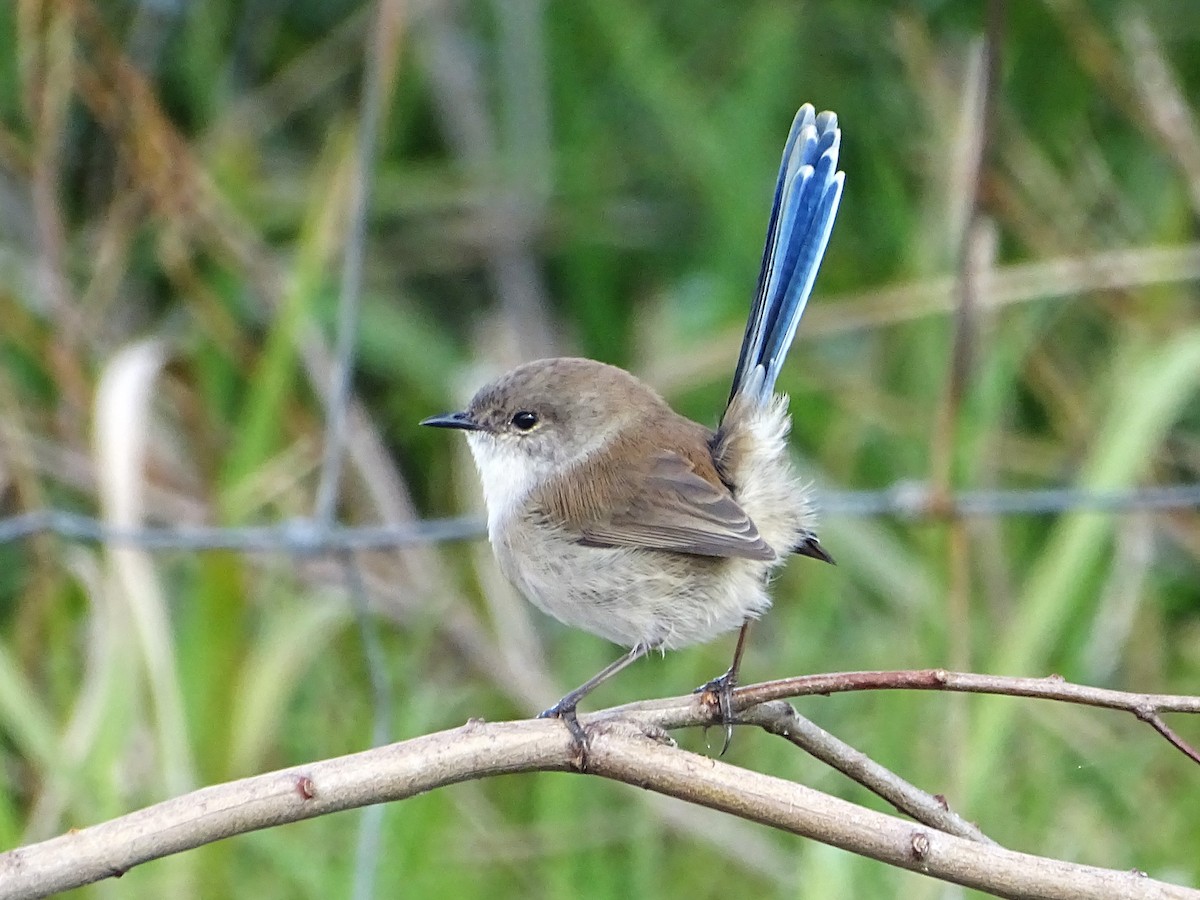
(524, 420)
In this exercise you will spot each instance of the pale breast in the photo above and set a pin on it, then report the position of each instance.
(628, 595)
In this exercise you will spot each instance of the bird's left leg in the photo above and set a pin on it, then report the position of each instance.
(565, 708)
(722, 686)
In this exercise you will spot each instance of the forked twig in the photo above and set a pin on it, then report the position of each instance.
(1147, 707)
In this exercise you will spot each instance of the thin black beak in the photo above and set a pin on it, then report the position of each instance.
(459, 420)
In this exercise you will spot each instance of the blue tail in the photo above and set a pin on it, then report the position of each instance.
(807, 195)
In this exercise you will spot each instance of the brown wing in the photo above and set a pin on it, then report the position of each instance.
(666, 505)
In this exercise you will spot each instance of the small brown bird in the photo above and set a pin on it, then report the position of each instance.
(615, 514)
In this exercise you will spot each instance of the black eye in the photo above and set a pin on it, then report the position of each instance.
(524, 420)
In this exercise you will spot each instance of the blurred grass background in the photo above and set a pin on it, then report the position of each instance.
(593, 178)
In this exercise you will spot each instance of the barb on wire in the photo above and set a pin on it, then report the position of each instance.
(306, 536)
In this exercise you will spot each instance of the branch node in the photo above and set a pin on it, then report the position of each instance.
(919, 844)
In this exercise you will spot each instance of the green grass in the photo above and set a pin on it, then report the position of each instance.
(201, 198)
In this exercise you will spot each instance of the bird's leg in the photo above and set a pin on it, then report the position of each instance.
(565, 708)
(722, 686)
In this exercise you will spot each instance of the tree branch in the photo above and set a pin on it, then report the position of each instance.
(627, 744)
(632, 750)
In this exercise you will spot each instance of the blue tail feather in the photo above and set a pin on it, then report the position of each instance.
(807, 194)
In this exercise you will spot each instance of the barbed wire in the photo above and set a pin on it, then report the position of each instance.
(915, 500)
(905, 500)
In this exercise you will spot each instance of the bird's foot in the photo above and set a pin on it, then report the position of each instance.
(566, 713)
(722, 687)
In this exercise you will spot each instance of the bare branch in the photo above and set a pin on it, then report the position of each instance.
(1052, 687)
(1146, 707)
(1154, 720)
(781, 719)
(617, 750)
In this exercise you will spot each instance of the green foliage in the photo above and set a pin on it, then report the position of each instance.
(591, 177)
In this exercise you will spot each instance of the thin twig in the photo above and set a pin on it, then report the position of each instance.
(1052, 687)
(1146, 707)
(779, 718)
(1154, 720)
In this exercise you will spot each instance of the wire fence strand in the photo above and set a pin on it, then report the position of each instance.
(905, 500)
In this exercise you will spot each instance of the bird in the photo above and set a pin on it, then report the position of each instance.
(616, 515)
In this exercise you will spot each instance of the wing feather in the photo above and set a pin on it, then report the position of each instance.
(670, 506)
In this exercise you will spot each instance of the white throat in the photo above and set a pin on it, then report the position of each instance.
(508, 477)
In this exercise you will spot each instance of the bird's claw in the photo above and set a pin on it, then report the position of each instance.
(722, 687)
(578, 737)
